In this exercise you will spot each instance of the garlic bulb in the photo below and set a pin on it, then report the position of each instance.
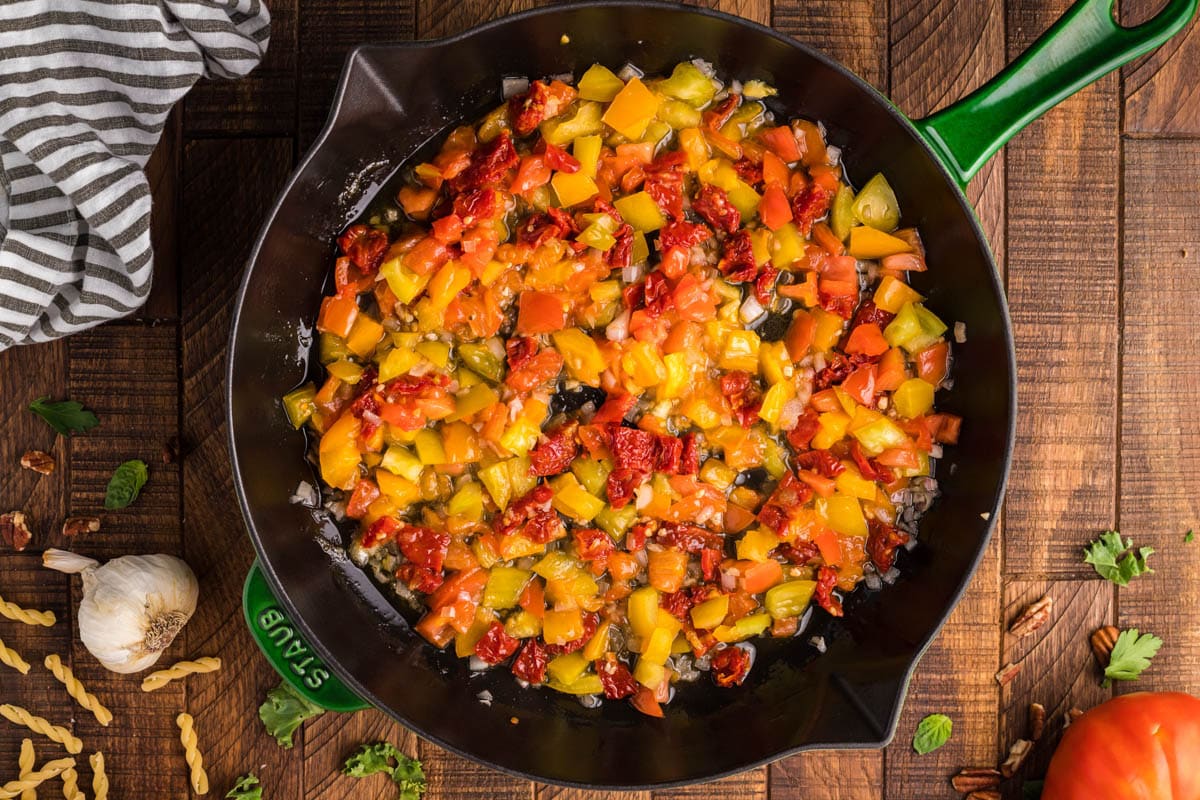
(132, 607)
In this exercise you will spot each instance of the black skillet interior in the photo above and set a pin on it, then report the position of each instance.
(393, 98)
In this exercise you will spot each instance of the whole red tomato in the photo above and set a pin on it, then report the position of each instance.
(1143, 746)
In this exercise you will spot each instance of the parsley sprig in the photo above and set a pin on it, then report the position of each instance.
(1131, 656)
(65, 416)
(1116, 559)
(405, 772)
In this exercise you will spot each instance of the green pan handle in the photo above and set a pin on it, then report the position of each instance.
(1084, 45)
(291, 656)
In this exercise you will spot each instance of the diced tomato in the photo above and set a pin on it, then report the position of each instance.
(614, 410)
(782, 142)
(882, 544)
(810, 205)
(860, 385)
(541, 102)
(826, 581)
(364, 246)
(933, 363)
(730, 666)
(541, 312)
(945, 427)
(559, 159)
(554, 454)
(737, 257)
(867, 339)
(536, 371)
(774, 209)
(645, 701)
(712, 204)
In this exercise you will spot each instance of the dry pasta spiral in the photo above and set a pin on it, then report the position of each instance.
(191, 753)
(51, 769)
(62, 673)
(70, 779)
(160, 678)
(99, 777)
(22, 716)
(29, 616)
(13, 659)
(25, 763)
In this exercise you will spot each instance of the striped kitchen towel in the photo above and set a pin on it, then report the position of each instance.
(85, 88)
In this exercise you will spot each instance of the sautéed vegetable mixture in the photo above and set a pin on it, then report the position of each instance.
(629, 377)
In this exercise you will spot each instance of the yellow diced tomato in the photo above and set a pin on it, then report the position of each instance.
(832, 427)
(401, 491)
(852, 484)
(867, 242)
(644, 365)
(649, 674)
(573, 500)
(339, 453)
(365, 333)
(914, 398)
(892, 293)
(562, 627)
(643, 611)
(756, 544)
(828, 330)
(567, 668)
(710, 613)
(657, 649)
(773, 402)
(571, 189)
(740, 351)
(581, 355)
(640, 211)
(844, 514)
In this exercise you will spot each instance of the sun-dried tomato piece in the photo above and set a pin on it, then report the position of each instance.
(882, 544)
(380, 530)
(530, 663)
(553, 224)
(868, 467)
(543, 527)
(541, 102)
(489, 163)
(840, 304)
(554, 454)
(869, 312)
(593, 545)
(748, 171)
(524, 509)
(620, 255)
(419, 579)
(722, 111)
(764, 284)
(743, 394)
(730, 666)
(636, 538)
(670, 455)
(822, 461)
(519, 349)
(476, 205)
(679, 604)
(621, 483)
(634, 449)
(800, 553)
(657, 294)
(783, 503)
(712, 204)
(664, 182)
(737, 257)
(683, 234)
(806, 428)
(496, 645)
(413, 385)
(689, 460)
(688, 537)
(559, 159)
(826, 581)
(616, 678)
(838, 369)
(590, 623)
(710, 560)
(423, 546)
(364, 246)
(809, 205)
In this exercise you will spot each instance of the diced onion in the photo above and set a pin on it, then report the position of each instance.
(305, 495)
(960, 332)
(751, 311)
(477, 664)
(819, 643)
(629, 72)
(510, 87)
(633, 273)
(618, 329)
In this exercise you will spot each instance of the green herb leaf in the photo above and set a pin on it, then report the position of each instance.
(124, 485)
(246, 788)
(932, 733)
(283, 712)
(65, 416)
(1130, 656)
(1188, 537)
(1032, 790)
(405, 772)
(1109, 558)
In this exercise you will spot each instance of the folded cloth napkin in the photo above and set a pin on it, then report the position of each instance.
(85, 88)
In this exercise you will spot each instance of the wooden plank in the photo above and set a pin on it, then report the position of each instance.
(1057, 666)
(327, 30)
(828, 775)
(129, 375)
(162, 172)
(940, 52)
(213, 258)
(330, 738)
(757, 10)
(543, 791)
(438, 18)
(1063, 293)
(261, 103)
(1162, 89)
(1160, 434)
(453, 778)
(852, 31)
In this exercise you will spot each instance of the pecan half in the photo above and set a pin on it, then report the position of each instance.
(1103, 641)
(14, 530)
(170, 450)
(1033, 617)
(986, 794)
(1071, 716)
(1016, 756)
(39, 461)
(1006, 674)
(74, 526)
(973, 779)
(1037, 720)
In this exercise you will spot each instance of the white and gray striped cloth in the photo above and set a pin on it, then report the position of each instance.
(85, 88)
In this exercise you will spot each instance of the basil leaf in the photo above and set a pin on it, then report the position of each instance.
(406, 772)
(246, 788)
(932, 733)
(124, 485)
(65, 416)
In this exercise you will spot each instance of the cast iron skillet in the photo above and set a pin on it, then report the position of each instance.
(392, 98)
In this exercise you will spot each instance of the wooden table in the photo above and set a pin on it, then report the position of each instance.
(1091, 211)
